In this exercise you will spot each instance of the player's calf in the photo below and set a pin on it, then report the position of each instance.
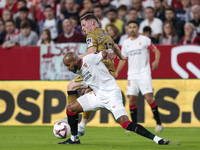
(131, 126)
(72, 113)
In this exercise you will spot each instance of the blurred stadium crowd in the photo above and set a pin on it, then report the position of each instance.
(36, 22)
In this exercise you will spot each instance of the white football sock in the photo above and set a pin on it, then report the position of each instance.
(156, 139)
(74, 138)
(83, 125)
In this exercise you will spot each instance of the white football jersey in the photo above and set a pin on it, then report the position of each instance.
(95, 74)
(137, 52)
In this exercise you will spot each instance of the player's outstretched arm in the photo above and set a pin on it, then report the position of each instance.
(120, 66)
(157, 58)
(118, 52)
(89, 51)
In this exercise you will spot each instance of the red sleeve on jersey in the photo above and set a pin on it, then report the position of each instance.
(152, 47)
(102, 55)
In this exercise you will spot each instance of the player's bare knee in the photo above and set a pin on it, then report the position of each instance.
(71, 108)
(150, 99)
(132, 100)
(122, 119)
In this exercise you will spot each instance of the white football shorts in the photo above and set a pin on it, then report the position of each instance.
(135, 85)
(91, 102)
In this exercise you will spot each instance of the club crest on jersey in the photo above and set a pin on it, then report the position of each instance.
(85, 65)
(89, 42)
(140, 43)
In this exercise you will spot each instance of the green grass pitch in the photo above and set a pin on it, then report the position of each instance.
(96, 138)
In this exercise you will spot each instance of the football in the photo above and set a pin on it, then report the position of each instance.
(61, 129)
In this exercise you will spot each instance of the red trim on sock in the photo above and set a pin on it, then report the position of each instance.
(71, 113)
(154, 104)
(125, 124)
(132, 106)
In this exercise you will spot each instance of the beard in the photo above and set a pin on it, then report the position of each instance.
(75, 68)
(133, 34)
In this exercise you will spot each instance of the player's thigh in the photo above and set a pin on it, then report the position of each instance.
(90, 102)
(132, 87)
(145, 85)
(116, 107)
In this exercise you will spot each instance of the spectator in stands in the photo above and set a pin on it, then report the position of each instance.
(62, 5)
(169, 35)
(154, 23)
(2, 4)
(181, 12)
(189, 15)
(106, 5)
(25, 38)
(170, 16)
(113, 32)
(137, 4)
(2, 31)
(191, 36)
(122, 11)
(12, 6)
(87, 7)
(78, 4)
(20, 4)
(159, 10)
(196, 20)
(118, 3)
(50, 22)
(7, 15)
(75, 23)
(98, 12)
(11, 30)
(1, 12)
(45, 38)
(176, 4)
(133, 15)
(69, 10)
(147, 3)
(39, 10)
(69, 34)
(124, 36)
(23, 15)
(148, 33)
(99, 24)
(112, 16)
(56, 7)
